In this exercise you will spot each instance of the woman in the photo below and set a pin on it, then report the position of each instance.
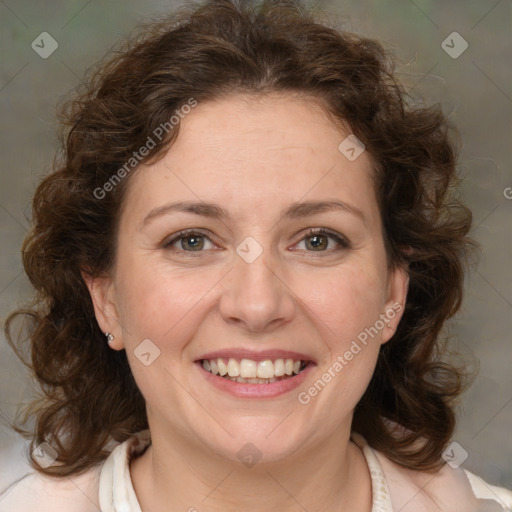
(243, 264)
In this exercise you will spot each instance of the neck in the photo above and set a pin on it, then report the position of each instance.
(175, 475)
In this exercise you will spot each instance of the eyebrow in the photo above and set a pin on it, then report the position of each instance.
(294, 211)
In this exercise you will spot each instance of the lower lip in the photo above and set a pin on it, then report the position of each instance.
(243, 390)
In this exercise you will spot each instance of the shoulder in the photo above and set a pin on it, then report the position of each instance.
(41, 493)
(106, 487)
(447, 490)
(486, 491)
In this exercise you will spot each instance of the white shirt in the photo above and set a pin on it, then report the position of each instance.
(108, 487)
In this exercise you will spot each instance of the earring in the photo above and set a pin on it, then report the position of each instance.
(110, 337)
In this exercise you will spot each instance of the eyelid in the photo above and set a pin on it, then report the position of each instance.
(343, 242)
(340, 239)
(168, 241)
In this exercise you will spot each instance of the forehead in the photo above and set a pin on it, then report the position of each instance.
(266, 149)
(250, 124)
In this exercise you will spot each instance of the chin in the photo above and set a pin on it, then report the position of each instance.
(264, 440)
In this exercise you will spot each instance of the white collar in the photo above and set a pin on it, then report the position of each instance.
(116, 493)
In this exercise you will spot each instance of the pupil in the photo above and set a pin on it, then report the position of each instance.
(195, 244)
(317, 244)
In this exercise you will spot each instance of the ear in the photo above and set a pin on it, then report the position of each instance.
(102, 294)
(398, 285)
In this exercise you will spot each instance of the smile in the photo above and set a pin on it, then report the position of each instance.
(248, 371)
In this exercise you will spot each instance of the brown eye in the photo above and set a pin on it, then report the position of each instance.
(317, 240)
(188, 241)
(195, 242)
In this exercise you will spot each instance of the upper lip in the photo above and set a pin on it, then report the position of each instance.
(240, 354)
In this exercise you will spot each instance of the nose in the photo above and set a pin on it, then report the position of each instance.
(256, 295)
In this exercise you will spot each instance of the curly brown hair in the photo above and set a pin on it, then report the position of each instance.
(208, 51)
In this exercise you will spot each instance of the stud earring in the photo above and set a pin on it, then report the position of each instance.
(110, 337)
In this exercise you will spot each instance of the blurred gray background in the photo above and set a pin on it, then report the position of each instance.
(474, 88)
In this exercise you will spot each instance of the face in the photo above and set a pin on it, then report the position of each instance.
(247, 281)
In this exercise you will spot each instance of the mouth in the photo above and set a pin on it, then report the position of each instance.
(248, 371)
(249, 374)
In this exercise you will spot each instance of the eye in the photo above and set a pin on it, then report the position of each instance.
(318, 240)
(191, 241)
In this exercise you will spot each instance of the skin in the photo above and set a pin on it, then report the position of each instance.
(248, 155)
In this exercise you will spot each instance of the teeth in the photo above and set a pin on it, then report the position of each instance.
(279, 368)
(233, 367)
(266, 369)
(248, 369)
(223, 369)
(253, 372)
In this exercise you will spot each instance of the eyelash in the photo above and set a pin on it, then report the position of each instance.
(343, 242)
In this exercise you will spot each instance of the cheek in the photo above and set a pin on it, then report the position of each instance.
(347, 300)
(345, 307)
(156, 302)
